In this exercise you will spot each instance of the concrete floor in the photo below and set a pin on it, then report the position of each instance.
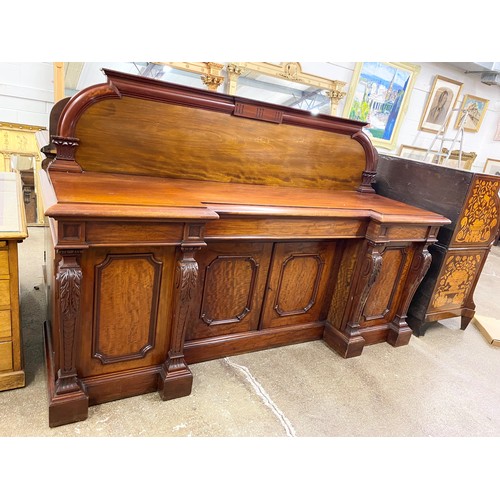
(443, 384)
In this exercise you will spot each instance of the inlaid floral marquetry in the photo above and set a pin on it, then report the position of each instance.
(480, 216)
(456, 280)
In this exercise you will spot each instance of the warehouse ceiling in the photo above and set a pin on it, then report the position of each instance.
(251, 84)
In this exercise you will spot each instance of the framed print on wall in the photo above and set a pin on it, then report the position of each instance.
(440, 103)
(379, 94)
(492, 167)
(472, 112)
(416, 153)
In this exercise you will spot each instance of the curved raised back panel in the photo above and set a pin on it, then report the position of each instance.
(139, 126)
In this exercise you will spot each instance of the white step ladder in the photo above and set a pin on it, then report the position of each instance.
(441, 137)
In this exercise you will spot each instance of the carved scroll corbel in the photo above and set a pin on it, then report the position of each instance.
(349, 342)
(400, 331)
(369, 274)
(68, 282)
(175, 377)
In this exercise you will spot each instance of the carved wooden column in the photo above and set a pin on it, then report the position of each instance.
(400, 333)
(176, 378)
(69, 402)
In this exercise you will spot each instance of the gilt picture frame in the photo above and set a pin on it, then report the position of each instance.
(379, 94)
(492, 166)
(416, 153)
(441, 102)
(476, 109)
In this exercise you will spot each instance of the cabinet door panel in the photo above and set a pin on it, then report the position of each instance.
(383, 298)
(457, 279)
(232, 282)
(298, 283)
(128, 293)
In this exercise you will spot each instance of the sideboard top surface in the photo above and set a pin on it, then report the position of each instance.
(98, 194)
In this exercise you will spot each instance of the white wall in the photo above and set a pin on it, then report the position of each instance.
(26, 96)
(26, 92)
(481, 142)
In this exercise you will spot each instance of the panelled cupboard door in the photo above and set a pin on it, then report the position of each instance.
(298, 285)
(384, 296)
(232, 280)
(126, 308)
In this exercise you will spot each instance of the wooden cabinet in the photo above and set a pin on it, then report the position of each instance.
(12, 231)
(187, 225)
(470, 200)
(248, 290)
(231, 288)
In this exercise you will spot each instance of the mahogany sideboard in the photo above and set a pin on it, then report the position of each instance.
(470, 200)
(188, 225)
(12, 231)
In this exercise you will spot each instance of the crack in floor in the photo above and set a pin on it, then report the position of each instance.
(287, 425)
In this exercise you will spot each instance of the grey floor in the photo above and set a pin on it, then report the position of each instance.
(419, 421)
(444, 384)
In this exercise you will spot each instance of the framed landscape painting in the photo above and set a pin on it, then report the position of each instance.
(472, 112)
(379, 95)
(492, 167)
(440, 104)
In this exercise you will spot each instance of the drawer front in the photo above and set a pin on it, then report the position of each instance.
(4, 294)
(4, 261)
(5, 326)
(5, 356)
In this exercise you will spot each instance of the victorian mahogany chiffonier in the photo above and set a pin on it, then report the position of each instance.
(188, 225)
(470, 200)
(12, 231)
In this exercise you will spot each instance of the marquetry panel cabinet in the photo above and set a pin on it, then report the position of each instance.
(12, 231)
(187, 225)
(471, 201)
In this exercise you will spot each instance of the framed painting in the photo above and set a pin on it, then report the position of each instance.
(492, 167)
(416, 153)
(379, 95)
(471, 113)
(440, 104)
(457, 159)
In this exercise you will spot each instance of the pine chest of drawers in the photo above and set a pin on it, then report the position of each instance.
(12, 230)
